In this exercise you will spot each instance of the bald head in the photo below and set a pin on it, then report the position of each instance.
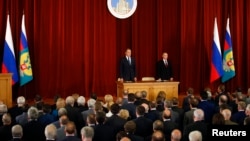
(158, 136)
(125, 139)
(226, 114)
(176, 135)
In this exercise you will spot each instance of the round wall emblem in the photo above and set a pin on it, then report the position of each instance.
(122, 8)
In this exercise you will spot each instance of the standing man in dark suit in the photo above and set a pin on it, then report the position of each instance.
(127, 67)
(164, 68)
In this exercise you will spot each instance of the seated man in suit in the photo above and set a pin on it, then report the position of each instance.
(164, 68)
(127, 67)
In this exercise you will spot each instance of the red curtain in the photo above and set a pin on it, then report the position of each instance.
(75, 45)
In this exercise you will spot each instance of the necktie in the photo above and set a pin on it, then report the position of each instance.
(129, 60)
(166, 63)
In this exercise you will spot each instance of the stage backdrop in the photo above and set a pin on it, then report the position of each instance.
(75, 45)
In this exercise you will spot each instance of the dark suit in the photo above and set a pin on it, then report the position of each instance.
(71, 138)
(133, 137)
(33, 130)
(164, 72)
(208, 108)
(198, 125)
(131, 109)
(144, 126)
(116, 122)
(127, 70)
(5, 132)
(169, 126)
(103, 132)
(16, 139)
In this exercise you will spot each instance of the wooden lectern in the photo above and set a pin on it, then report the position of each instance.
(6, 89)
(152, 88)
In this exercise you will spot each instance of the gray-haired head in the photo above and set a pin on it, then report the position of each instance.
(17, 131)
(32, 113)
(87, 132)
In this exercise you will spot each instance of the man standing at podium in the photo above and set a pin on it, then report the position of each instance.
(164, 68)
(127, 67)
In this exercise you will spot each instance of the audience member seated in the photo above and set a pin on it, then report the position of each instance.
(5, 129)
(198, 124)
(186, 99)
(123, 113)
(91, 105)
(81, 104)
(18, 109)
(130, 128)
(176, 135)
(158, 136)
(70, 131)
(195, 136)
(87, 133)
(227, 116)
(17, 133)
(33, 130)
(61, 112)
(144, 126)
(103, 132)
(169, 125)
(218, 119)
(115, 121)
(3, 110)
(130, 106)
(60, 103)
(50, 132)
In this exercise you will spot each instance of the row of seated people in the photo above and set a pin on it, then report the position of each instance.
(131, 108)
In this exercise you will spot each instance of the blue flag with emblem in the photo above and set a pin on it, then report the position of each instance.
(228, 59)
(25, 68)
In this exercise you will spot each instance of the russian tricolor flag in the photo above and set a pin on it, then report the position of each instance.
(216, 63)
(9, 61)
